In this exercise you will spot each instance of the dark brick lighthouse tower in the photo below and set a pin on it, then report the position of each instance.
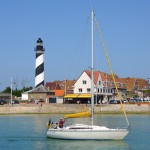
(39, 63)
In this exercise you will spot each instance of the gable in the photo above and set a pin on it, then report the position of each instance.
(83, 76)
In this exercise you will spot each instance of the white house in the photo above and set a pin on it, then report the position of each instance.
(82, 87)
(24, 96)
(102, 87)
(83, 84)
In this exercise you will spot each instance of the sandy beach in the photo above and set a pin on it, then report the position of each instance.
(73, 108)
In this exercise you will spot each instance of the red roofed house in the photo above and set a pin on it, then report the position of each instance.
(82, 88)
(60, 88)
(104, 88)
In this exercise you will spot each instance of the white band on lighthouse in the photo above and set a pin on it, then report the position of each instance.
(39, 60)
(39, 78)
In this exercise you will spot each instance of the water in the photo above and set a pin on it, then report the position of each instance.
(27, 132)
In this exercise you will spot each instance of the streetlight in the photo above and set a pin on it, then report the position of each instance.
(11, 90)
(11, 86)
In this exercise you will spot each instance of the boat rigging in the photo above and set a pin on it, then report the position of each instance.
(90, 131)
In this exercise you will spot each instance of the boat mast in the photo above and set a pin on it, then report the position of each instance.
(92, 68)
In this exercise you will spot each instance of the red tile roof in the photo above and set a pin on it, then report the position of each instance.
(60, 85)
(134, 83)
(96, 74)
(52, 85)
(129, 83)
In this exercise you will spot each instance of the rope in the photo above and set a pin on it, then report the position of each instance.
(111, 71)
(74, 64)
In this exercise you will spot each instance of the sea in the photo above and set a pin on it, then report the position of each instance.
(28, 132)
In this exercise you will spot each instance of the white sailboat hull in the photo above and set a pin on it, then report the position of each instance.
(84, 132)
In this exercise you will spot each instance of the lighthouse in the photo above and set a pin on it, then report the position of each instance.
(39, 63)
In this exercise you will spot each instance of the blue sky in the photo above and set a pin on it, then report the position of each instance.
(64, 27)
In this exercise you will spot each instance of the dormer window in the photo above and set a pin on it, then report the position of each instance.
(84, 81)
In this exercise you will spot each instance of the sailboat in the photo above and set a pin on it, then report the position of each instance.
(90, 131)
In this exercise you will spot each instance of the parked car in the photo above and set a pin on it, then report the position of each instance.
(112, 101)
(2, 102)
(132, 101)
(138, 99)
(124, 101)
(15, 102)
(146, 99)
(116, 101)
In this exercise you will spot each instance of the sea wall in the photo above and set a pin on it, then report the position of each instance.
(72, 108)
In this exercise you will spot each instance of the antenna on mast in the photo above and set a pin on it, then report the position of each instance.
(91, 5)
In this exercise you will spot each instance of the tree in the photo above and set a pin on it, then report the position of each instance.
(17, 92)
(7, 90)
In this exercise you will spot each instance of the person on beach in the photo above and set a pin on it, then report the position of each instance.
(61, 123)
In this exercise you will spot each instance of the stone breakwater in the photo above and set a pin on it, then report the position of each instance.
(72, 108)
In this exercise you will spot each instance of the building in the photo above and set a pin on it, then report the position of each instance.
(59, 96)
(136, 87)
(60, 88)
(6, 96)
(41, 94)
(104, 89)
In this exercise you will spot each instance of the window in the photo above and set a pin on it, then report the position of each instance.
(106, 90)
(88, 90)
(80, 90)
(103, 90)
(84, 81)
(99, 82)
